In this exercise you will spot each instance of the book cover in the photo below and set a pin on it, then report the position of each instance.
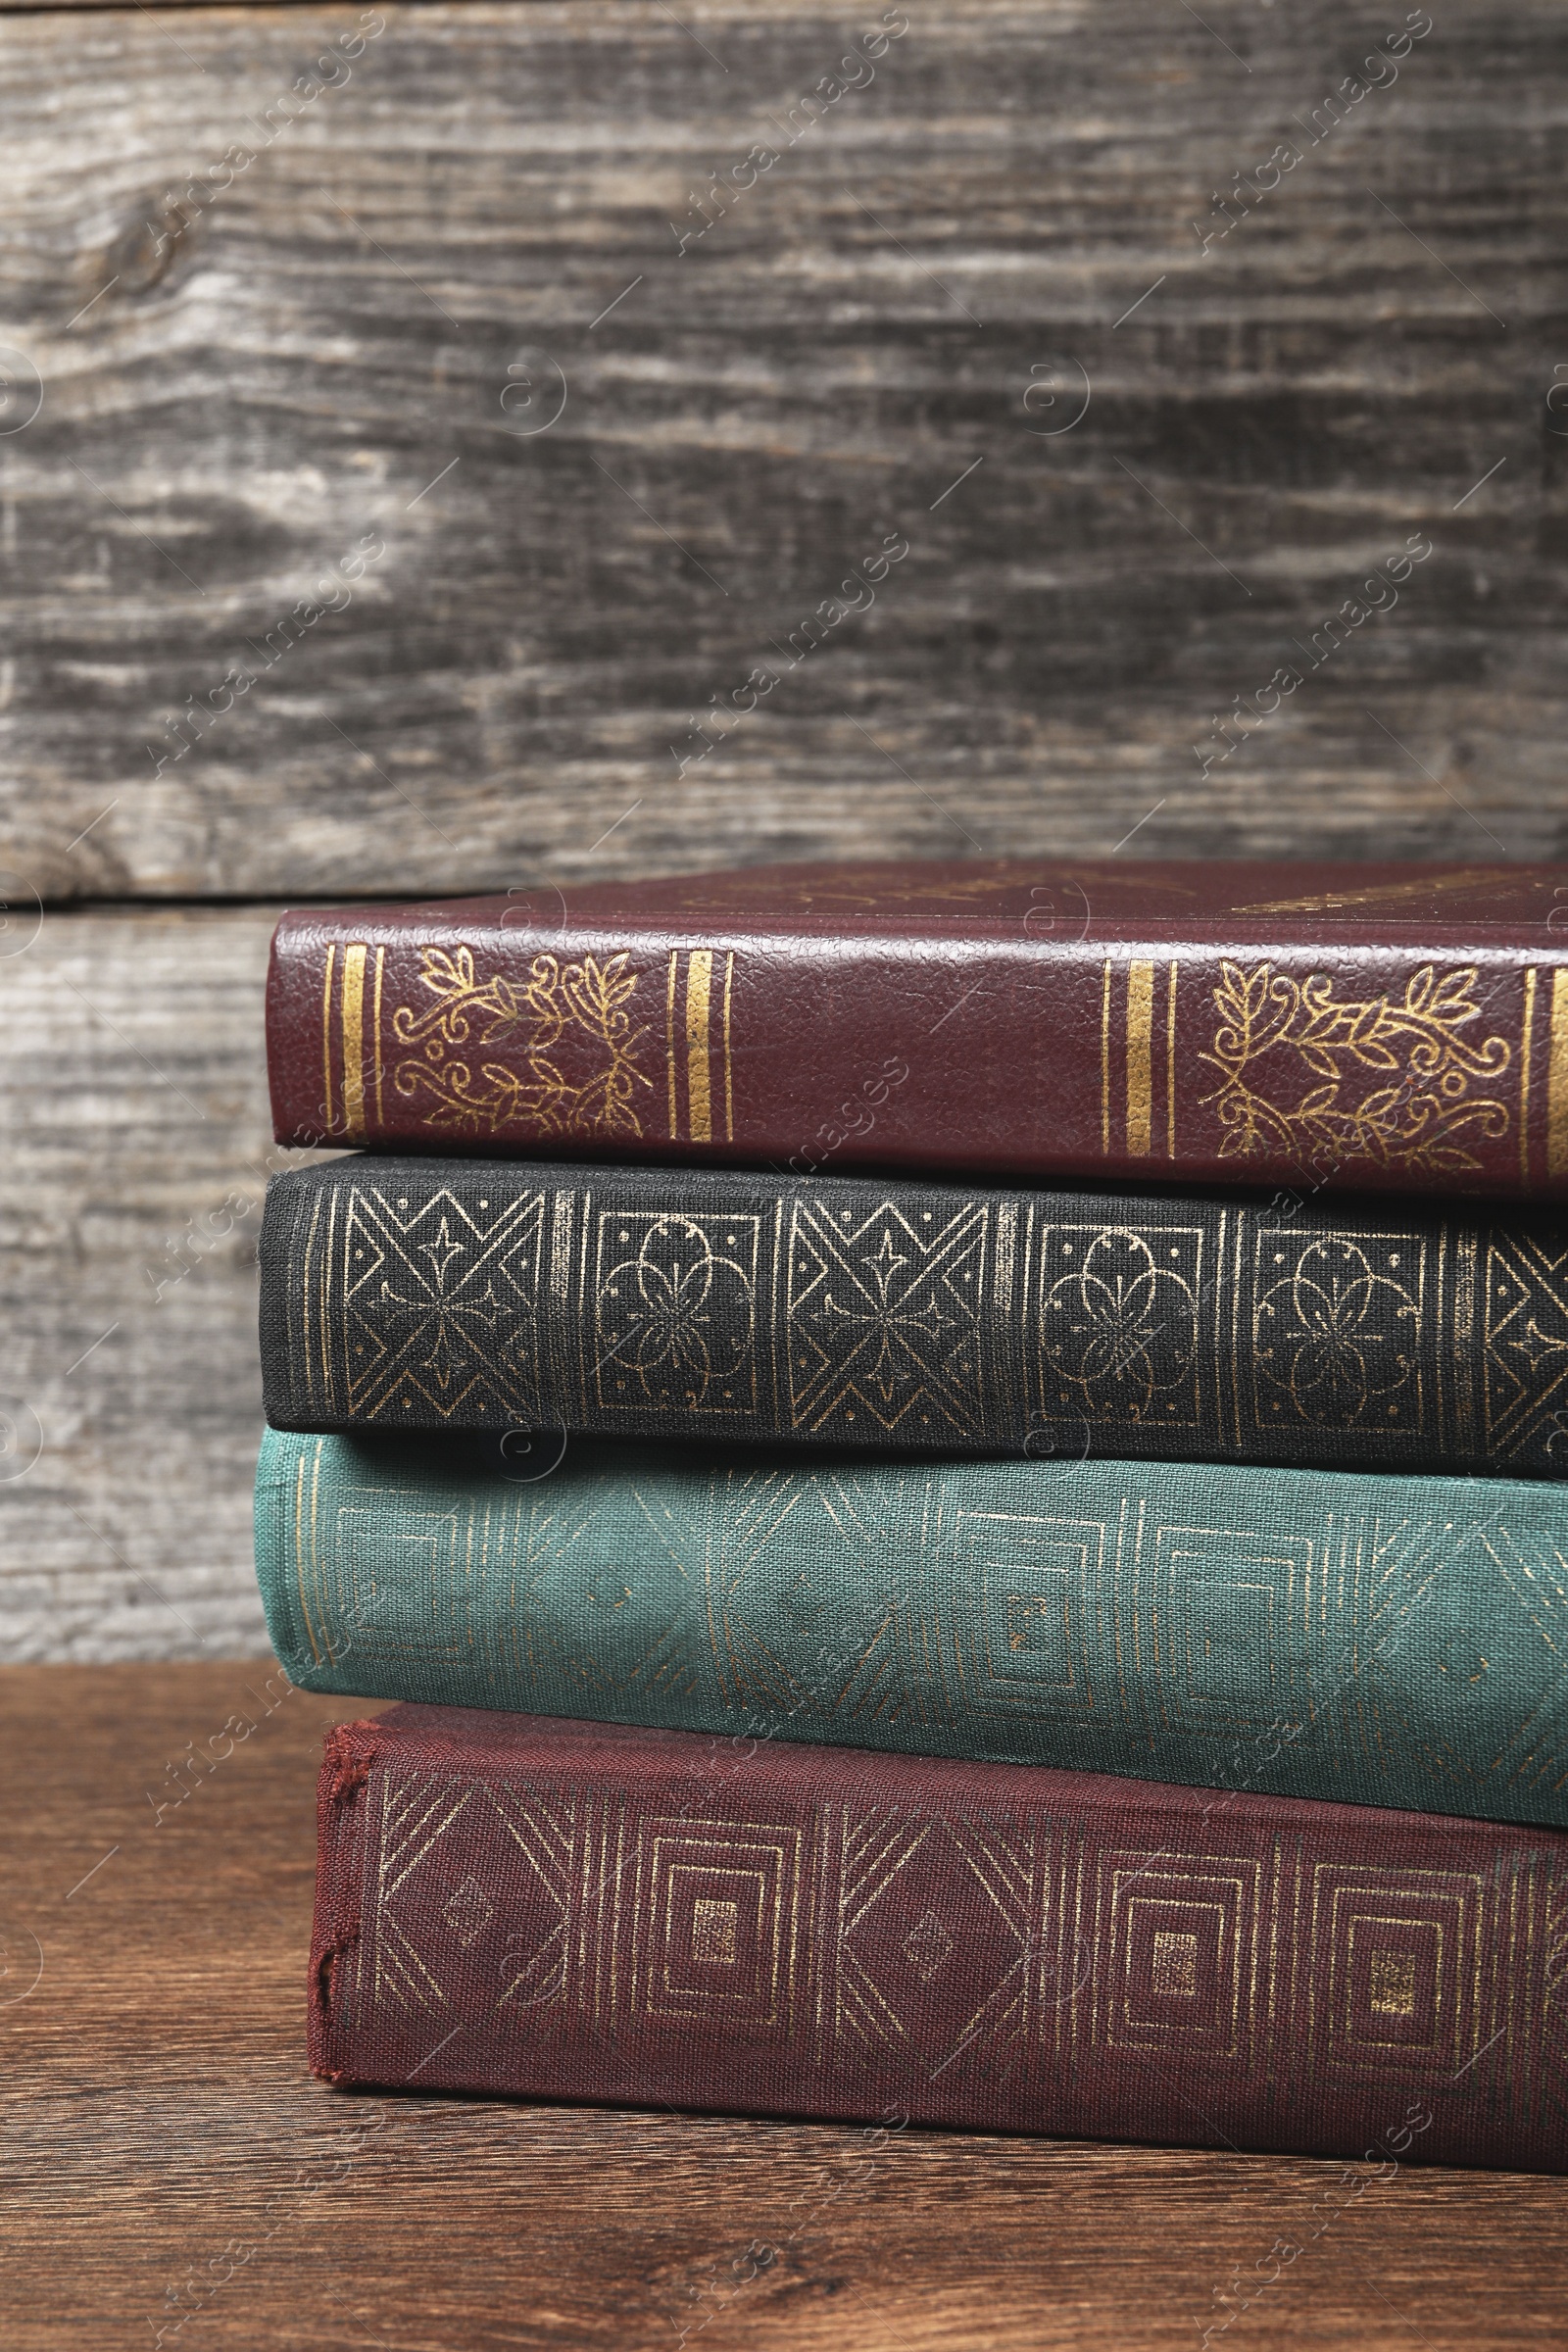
(726, 1303)
(510, 1904)
(1347, 1636)
(1387, 1026)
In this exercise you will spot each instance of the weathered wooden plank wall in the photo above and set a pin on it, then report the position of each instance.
(445, 335)
(136, 1151)
(228, 411)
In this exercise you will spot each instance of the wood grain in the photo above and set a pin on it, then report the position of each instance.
(234, 396)
(136, 1146)
(160, 2119)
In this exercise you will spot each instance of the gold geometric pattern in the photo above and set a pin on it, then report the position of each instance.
(415, 1817)
(544, 1833)
(1395, 1962)
(1180, 1939)
(421, 1301)
(991, 1321)
(1524, 1289)
(1223, 1605)
(882, 1317)
(970, 1892)
(834, 1604)
(961, 1946)
(723, 1904)
(1036, 1583)
(440, 1302)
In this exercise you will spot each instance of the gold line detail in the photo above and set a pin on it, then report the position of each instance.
(729, 1076)
(1526, 1042)
(1006, 1230)
(1140, 1060)
(327, 1263)
(299, 1553)
(670, 1039)
(315, 1553)
(353, 958)
(326, 1038)
(1170, 1066)
(1557, 1077)
(1105, 1058)
(376, 1016)
(305, 1301)
(698, 988)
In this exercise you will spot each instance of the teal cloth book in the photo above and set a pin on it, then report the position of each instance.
(1382, 1641)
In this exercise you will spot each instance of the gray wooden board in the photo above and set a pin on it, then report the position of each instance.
(487, 196)
(133, 1109)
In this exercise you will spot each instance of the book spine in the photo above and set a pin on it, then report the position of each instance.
(813, 1932)
(629, 1301)
(1381, 1640)
(1412, 1068)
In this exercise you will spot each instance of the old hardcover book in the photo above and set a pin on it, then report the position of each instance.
(506, 1903)
(724, 1303)
(1382, 1641)
(1400, 1027)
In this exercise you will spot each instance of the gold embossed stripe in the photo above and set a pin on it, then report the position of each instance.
(1526, 1045)
(697, 1037)
(344, 1040)
(1140, 1060)
(1139, 986)
(1557, 1078)
(354, 1038)
(1550, 984)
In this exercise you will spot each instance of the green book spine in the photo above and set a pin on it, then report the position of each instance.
(1385, 1641)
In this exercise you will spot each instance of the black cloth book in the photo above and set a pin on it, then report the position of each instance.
(503, 1296)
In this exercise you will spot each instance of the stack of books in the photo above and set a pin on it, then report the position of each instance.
(960, 1470)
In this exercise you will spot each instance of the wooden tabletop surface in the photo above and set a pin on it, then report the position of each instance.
(171, 2175)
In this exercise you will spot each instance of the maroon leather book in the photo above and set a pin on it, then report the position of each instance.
(1391, 1025)
(513, 1903)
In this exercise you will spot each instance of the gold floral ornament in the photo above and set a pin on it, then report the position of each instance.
(1119, 1329)
(1395, 1076)
(573, 1066)
(682, 1319)
(1328, 1335)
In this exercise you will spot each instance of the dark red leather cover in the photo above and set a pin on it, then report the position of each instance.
(520, 1905)
(1403, 1026)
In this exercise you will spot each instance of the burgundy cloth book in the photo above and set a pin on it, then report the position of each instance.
(515, 1903)
(1373, 1025)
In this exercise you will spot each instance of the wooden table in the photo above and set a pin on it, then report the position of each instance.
(169, 2171)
